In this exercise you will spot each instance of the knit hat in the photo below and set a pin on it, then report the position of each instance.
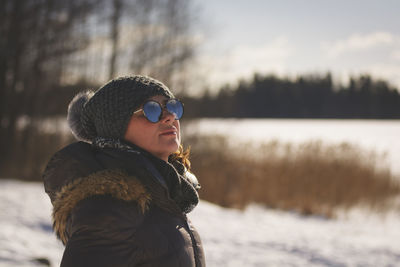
(106, 112)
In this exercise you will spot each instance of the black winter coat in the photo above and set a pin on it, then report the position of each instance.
(112, 208)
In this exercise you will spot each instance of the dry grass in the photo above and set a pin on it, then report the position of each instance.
(31, 153)
(311, 178)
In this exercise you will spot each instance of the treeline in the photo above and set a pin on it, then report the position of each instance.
(312, 96)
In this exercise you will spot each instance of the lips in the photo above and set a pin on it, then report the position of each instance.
(169, 132)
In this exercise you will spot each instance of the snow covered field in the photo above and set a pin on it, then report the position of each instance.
(381, 136)
(255, 237)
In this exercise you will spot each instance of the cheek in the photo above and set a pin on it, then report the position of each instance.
(140, 133)
(148, 135)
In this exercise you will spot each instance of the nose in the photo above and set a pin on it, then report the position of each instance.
(167, 116)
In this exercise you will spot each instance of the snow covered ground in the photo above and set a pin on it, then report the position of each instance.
(381, 136)
(254, 237)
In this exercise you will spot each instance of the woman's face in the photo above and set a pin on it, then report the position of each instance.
(160, 139)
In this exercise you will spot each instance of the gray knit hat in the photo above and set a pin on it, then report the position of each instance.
(106, 112)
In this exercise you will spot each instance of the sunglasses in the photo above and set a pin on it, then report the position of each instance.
(153, 110)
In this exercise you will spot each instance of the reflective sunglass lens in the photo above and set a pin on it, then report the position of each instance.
(175, 107)
(152, 111)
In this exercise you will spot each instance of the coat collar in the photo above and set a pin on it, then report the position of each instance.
(181, 185)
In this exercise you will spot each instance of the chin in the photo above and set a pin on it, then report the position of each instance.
(169, 148)
(174, 148)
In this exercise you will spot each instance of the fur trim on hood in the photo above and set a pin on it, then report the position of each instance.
(115, 183)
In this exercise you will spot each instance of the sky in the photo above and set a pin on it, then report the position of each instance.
(296, 37)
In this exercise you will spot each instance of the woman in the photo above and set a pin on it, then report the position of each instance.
(120, 196)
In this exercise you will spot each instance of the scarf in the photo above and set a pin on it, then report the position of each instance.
(181, 184)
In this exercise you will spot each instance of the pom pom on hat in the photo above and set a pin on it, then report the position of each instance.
(75, 109)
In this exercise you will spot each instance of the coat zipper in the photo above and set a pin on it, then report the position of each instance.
(194, 245)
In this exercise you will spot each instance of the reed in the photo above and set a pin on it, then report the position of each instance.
(310, 178)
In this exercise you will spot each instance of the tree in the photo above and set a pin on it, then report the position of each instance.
(37, 35)
(153, 37)
(114, 34)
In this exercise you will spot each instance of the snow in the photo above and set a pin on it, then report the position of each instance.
(262, 237)
(254, 237)
(25, 225)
